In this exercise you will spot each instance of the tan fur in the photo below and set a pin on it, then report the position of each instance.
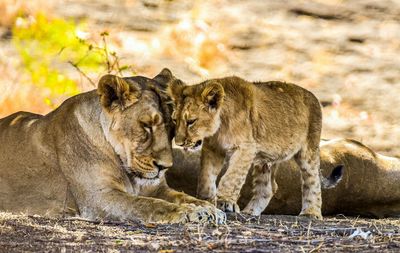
(101, 154)
(370, 184)
(260, 123)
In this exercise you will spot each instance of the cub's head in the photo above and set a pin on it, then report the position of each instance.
(133, 123)
(196, 110)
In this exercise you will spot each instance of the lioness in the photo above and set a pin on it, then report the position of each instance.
(369, 187)
(101, 154)
(263, 123)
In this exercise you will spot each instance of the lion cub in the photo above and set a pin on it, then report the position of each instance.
(260, 123)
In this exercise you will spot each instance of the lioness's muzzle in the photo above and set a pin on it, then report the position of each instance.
(159, 167)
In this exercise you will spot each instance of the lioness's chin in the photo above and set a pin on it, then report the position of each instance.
(146, 176)
(145, 181)
(138, 175)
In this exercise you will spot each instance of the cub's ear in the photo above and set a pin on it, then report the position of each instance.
(164, 78)
(114, 92)
(213, 95)
(169, 84)
(175, 89)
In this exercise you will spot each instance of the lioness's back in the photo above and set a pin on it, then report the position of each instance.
(29, 178)
(15, 132)
(18, 119)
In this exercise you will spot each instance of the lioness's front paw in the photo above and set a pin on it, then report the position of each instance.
(227, 205)
(203, 214)
(219, 217)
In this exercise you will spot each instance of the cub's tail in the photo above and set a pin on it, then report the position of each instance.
(334, 178)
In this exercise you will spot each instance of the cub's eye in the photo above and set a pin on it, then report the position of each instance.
(191, 122)
(173, 117)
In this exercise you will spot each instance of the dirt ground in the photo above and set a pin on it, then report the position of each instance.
(240, 234)
(345, 51)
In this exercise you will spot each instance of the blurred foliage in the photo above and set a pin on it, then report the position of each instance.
(47, 45)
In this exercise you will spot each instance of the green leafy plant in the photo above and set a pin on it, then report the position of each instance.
(47, 45)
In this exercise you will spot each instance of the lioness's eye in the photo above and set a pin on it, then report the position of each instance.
(146, 127)
(191, 122)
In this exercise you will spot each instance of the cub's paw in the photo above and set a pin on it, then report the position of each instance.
(312, 214)
(253, 211)
(227, 205)
(203, 214)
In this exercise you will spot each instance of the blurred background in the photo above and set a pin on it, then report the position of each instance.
(346, 51)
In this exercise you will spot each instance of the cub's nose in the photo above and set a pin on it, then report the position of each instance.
(179, 141)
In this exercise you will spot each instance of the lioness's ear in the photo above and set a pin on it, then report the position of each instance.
(213, 95)
(115, 91)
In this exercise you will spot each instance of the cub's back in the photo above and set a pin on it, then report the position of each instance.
(287, 114)
(290, 92)
(287, 102)
(272, 92)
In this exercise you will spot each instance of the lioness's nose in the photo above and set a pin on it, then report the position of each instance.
(160, 167)
(164, 159)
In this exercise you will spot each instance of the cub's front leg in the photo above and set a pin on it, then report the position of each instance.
(212, 160)
(232, 181)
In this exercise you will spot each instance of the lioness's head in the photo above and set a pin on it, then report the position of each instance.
(133, 123)
(196, 111)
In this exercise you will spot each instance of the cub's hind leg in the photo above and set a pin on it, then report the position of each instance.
(308, 158)
(309, 162)
(264, 188)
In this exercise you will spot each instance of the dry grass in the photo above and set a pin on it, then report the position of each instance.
(264, 234)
